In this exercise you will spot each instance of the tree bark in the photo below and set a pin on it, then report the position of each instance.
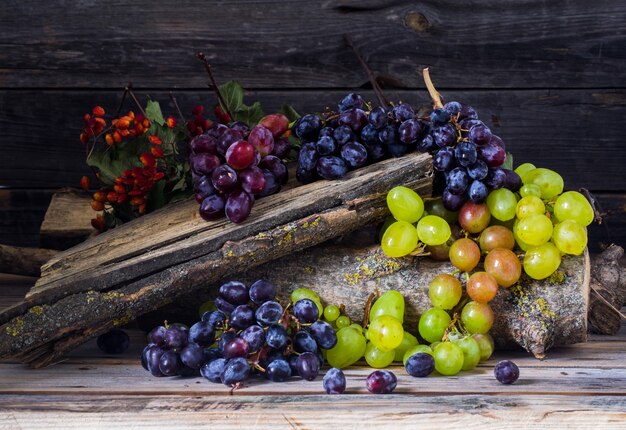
(608, 291)
(23, 261)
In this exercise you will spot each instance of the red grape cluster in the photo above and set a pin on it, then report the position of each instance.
(232, 165)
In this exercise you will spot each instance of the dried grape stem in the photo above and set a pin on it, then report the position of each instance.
(213, 84)
(368, 307)
(434, 94)
(380, 95)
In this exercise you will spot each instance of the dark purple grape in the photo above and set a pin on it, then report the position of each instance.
(193, 356)
(278, 371)
(343, 134)
(272, 186)
(308, 366)
(331, 167)
(495, 178)
(480, 134)
(443, 160)
(204, 143)
(497, 141)
(114, 341)
(276, 336)
(153, 358)
(157, 335)
(237, 347)
(492, 154)
(255, 336)
(282, 148)
(334, 381)
(506, 372)
(144, 355)
(452, 202)
(211, 354)
(176, 337)
(308, 127)
(375, 152)
(453, 107)
(512, 180)
(238, 206)
(398, 149)
(303, 342)
(402, 112)
(212, 207)
(227, 138)
(240, 126)
(457, 181)
(306, 311)
(353, 118)
(204, 163)
(477, 191)
(276, 166)
(242, 317)
(440, 116)
(378, 117)
(427, 144)
(369, 135)
(225, 338)
(381, 382)
(350, 101)
(213, 370)
(170, 364)
(235, 370)
(444, 135)
(326, 131)
(388, 135)
(262, 291)
(308, 156)
(269, 313)
(465, 153)
(214, 318)
(224, 178)
(293, 363)
(467, 112)
(354, 154)
(478, 170)
(224, 306)
(234, 292)
(409, 131)
(323, 334)
(252, 180)
(320, 357)
(204, 187)
(202, 333)
(272, 354)
(420, 365)
(216, 130)
(305, 176)
(325, 145)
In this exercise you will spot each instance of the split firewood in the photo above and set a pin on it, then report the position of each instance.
(608, 291)
(24, 261)
(67, 221)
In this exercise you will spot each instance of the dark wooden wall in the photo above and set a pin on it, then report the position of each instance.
(548, 75)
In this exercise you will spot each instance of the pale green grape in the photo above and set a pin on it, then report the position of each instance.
(408, 341)
(573, 205)
(486, 344)
(471, 351)
(433, 324)
(530, 205)
(520, 243)
(377, 358)
(385, 333)
(542, 261)
(433, 230)
(530, 190)
(400, 239)
(331, 313)
(570, 237)
(448, 358)
(306, 293)
(356, 327)
(445, 291)
(477, 317)
(405, 204)
(349, 349)
(342, 321)
(550, 182)
(390, 303)
(534, 230)
(414, 350)
(502, 204)
(522, 169)
(434, 345)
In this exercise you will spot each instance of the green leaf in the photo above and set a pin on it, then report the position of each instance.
(112, 164)
(508, 161)
(153, 112)
(251, 115)
(156, 198)
(289, 112)
(232, 93)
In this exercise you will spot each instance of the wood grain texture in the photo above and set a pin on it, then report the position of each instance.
(67, 207)
(479, 44)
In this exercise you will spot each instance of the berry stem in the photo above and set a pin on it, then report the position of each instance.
(180, 113)
(132, 94)
(434, 94)
(212, 83)
(380, 95)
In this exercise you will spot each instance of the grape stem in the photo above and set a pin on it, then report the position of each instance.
(380, 95)
(434, 94)
(368, 307)
(212, 83)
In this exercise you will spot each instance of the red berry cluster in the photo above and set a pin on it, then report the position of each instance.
(130, 125)
(198, 124)
(222, 116)
(94, 124)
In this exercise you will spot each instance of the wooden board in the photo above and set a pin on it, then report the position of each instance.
(67, 207)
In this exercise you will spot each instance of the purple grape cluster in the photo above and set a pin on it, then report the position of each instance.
(233, 165)
(258, 336)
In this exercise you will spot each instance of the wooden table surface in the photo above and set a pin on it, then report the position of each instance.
(581, 386)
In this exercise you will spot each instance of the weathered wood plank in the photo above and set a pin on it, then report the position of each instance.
(67, 207)
(482, 43)
(21, 213)
(576, 132)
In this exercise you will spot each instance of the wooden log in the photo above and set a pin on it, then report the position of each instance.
(608, 291)
(23, 261)
(146, 264)
(67, 221)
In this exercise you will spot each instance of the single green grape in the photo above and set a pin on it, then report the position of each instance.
(471, 352)
(434, 345)
(534, 230)
(573, 206)
(433, 230)
(542, 261)
(405, 204)
(331, 313)
(390, 303)
(349, 349)
(385, 333)
(436, 207)
(415, 350)
(550, 182)
(342, 321)
(388, 221)
(433, 324)
(522, 169)
(477, 317)
(445, 291)
(502, 204)
(570, 237)
(448, 358)
(520, 243)
(306, 293)
(377, 358)
(408, 341)
(529, 205)
(486, 344)
(399, 240)
(357, 327)
(530, 190)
